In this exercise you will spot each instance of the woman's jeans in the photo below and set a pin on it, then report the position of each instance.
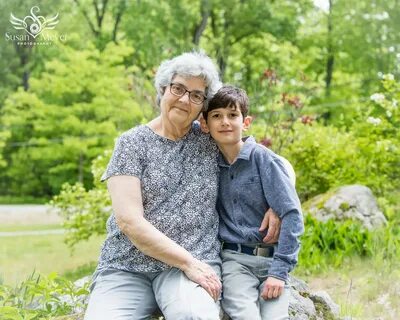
(121, 295)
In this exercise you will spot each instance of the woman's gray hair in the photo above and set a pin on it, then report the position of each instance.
(188, 64)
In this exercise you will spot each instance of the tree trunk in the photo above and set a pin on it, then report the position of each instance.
(205, 13)
(331, 58)
(24, 52)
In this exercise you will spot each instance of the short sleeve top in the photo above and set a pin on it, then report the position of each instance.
(179, 182)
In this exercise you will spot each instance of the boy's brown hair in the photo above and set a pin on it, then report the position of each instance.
(228, 97)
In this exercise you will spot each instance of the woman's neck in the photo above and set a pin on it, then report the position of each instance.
(231, 152)
(167, 129)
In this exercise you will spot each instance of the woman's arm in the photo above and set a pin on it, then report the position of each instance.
(126, 197)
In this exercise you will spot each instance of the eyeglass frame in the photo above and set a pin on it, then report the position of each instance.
(186, 90)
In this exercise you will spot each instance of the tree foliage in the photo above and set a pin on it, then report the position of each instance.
(71, 113)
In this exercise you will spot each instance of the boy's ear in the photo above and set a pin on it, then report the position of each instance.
(203, 125)
(247, 122)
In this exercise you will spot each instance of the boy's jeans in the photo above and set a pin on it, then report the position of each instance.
(243, 279)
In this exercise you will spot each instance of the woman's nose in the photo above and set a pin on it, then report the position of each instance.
(185, 98)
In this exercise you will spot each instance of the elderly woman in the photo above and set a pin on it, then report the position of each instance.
(162, 247)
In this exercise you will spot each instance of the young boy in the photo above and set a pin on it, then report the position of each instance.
(252, 180)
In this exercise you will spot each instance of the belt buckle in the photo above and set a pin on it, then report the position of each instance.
(261, 251)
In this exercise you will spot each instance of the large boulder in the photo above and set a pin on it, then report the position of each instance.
(303, 304)
(348, 202)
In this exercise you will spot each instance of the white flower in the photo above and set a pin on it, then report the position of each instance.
(374, 121)
(384, 300)
(388, 76)
(394, 103)
(388, 113)
(238, 76)
(380, 74)
(377, 97)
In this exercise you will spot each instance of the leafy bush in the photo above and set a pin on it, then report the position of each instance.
(85, 212)
(367, 152)
(41, 298)
(329, 243)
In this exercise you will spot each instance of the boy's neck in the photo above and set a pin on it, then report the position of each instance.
(230, 151)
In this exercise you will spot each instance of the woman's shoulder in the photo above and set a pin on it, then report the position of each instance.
(202, 138)
(133, 139)
(136, 133)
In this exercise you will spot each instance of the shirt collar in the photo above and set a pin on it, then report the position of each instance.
(244, 153)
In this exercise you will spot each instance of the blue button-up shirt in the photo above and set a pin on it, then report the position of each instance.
(255, 182)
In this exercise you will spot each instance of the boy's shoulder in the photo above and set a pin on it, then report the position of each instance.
(261, 152)
(264, 157)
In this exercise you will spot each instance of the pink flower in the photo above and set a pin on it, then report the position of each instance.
(267, 142)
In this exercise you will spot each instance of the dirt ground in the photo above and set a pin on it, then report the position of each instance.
(28, 214)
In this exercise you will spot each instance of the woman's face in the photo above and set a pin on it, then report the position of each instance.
(181, 111)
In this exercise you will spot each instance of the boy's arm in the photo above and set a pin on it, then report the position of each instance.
(271, 221)
(281, 196)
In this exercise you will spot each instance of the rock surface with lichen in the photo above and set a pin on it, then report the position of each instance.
(348, 202)
(303, 304)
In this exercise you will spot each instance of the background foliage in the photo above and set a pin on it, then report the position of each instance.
(323, 84)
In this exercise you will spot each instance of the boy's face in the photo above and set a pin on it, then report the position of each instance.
(226, 125)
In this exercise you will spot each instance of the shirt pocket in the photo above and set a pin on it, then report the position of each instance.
(251, 180)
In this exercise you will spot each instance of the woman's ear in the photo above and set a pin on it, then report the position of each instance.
(247, 122)
(203, 125)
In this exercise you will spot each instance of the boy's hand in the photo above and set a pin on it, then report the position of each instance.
(273, 288)
(273, 223)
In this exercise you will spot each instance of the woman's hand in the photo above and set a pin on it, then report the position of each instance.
(205, 276)
(272, 224)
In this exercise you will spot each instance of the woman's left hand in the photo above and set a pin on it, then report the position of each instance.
(205, 276)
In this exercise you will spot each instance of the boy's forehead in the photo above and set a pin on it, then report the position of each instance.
(231, 106)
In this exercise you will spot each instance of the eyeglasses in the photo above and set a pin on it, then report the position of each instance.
(197, 97)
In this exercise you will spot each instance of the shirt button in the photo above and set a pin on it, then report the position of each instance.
(234, 201)
(232, 176)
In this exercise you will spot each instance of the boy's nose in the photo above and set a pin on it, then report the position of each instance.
(224, 120)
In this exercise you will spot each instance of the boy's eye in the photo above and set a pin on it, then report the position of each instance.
(233, 115)
(215, 115)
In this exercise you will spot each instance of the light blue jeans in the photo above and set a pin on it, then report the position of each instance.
(243, 278)
(121, 295)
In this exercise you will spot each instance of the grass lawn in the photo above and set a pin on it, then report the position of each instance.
(367, 289)
(32, 227)
(21, 255)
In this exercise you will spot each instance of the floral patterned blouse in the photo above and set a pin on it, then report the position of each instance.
(179, 190)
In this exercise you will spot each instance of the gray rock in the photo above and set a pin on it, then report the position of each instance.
(348, 202)
(303, 304)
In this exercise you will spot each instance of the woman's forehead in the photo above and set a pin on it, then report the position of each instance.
(197, 83)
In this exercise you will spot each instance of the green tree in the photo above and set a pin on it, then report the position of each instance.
(70, 114)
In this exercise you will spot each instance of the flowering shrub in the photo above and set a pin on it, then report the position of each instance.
(324, 157)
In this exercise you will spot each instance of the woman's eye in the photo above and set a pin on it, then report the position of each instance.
(179, 89)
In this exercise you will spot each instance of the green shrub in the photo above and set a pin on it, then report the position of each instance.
(329, 243)
(85, 212)
(40, 298)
